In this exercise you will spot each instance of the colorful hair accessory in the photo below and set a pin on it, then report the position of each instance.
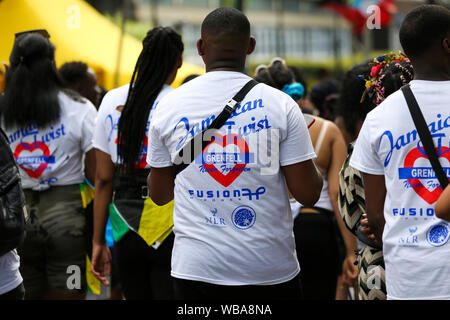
(295, 90)
(373, 85)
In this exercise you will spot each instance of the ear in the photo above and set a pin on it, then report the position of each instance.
(179, 62)
(251, 46)
(201, 47)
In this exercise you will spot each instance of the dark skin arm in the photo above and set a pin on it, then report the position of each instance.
(304, 182)
(90, 166)
(101, 255)
(161, 182)
(375, 192)
(442, 208)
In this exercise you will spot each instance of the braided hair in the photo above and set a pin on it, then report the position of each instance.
(162, 47)
(366, 85)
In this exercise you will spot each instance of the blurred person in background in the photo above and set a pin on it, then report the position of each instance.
(324, 96)
(49, 130)
(79, 77)
(304, 103)
(121, 148)
(317, 229)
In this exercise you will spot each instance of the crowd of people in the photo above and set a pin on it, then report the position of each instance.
(233, 185)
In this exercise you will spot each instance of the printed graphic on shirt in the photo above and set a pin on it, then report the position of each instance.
(417, 173)
(32, 153)
(411, 239)
(214, 219)
(243, 217)
(232, 162)
(438, 234)
(112, 127)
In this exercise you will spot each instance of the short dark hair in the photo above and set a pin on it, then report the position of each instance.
(73, 72)
(423, 27)
(226, 20)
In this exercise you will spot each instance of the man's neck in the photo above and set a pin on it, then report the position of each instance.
(225, 66)
(424, 70)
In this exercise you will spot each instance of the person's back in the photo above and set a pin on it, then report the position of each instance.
(232, 220)
(389, 152)
(49, 131)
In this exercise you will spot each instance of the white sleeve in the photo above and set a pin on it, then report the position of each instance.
(297, 145)
(365, 156)
(87, 127)
(100, 139)
(158, 155)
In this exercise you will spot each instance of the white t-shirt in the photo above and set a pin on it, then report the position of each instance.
(415, 241)
(10, 277)
(53, 156)
(107, 125)
(232, 219)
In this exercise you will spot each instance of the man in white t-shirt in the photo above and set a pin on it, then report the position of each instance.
(400, 185)
(232, 220)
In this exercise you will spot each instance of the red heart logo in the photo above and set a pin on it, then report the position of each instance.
(427, 195)
(227, 179)
(30, 147)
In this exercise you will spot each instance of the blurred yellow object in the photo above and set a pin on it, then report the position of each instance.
(79, 33)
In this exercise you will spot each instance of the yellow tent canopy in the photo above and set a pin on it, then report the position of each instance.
(79, 33)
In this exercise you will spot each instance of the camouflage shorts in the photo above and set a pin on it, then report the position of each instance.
(53, 253)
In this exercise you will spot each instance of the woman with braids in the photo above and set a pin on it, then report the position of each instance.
(363, 88)
(50, 131)
(316, 229)
(121, 148)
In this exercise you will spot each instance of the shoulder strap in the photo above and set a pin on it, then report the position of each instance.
(182, 162)
(425, 135)
(322, 132)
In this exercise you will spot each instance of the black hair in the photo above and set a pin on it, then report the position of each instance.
(277, 75)
(226, 20)
(162, 47)
(299, 77)
(32, 84)
(350, 105)
(73, 72)
(424, 27)
(323, 96)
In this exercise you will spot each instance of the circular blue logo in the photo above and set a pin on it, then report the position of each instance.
(438, 235)
(243, 217)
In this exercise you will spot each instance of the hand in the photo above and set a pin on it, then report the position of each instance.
(101, 262)
(349, 270)
(366, 230)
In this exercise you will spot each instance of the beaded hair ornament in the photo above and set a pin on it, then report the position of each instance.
(374, 88)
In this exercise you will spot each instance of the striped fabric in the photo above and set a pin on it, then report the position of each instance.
(371, 276)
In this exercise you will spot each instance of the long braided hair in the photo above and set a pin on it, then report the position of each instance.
(162, 47)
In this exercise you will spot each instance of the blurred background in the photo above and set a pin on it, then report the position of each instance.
(323, 37)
